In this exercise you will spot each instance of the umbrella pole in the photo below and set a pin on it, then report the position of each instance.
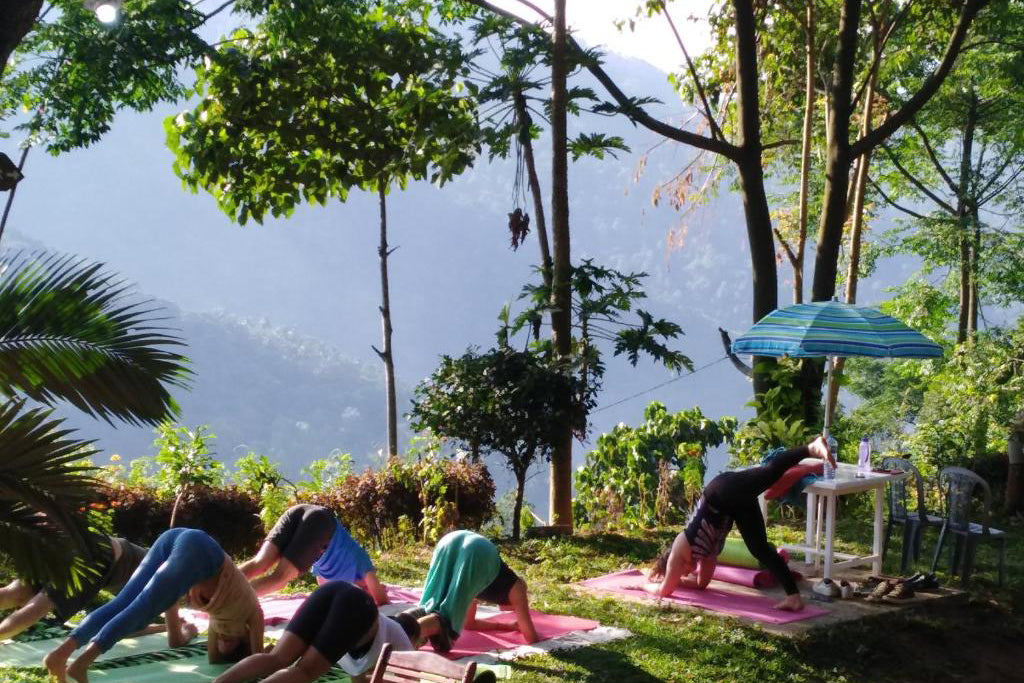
(828, 395)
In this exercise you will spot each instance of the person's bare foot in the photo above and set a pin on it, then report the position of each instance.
(792, 603)
(56, 661)
(79, 671)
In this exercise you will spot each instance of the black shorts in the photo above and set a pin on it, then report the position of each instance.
(497, 591)
(335, 619)
(303, 533)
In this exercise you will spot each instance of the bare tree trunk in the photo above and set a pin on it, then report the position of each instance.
(385, 319)
(174, 508)
(805, 151)
(964, 214)
(517, 509)
(975, 264)
(561, 294)
(17, 17)
(526, 142)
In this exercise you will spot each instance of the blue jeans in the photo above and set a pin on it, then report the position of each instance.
(179, 559)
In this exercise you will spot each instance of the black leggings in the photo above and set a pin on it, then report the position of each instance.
(335, 619)
(735, 494)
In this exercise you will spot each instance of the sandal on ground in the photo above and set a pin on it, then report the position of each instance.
(864, 589)
(880, 591)
(901, 591)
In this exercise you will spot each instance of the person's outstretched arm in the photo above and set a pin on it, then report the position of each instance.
(375, 588)
(283, 573)
(521, 604)
(26, 615)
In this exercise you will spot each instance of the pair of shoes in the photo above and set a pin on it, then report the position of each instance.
(846, 589)
(923, 582)
(828, 588)
(880, 591)
(901, 591)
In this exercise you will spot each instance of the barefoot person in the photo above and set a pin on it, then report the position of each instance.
(311, 537)
(466, 568)
(730, 497)
(32, 603)
(181, 563)
(337, 623)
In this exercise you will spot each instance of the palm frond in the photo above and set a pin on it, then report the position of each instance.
(70, 331)
(45, 494)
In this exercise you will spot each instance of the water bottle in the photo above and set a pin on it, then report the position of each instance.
(864, 457)
(829, 471)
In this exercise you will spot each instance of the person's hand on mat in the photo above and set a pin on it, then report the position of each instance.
(792, 603)
(819, 449)
(189, 630)
(652, 588)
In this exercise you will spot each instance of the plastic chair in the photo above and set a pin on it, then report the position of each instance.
(958, 484)
(913, 523)
(417, 666)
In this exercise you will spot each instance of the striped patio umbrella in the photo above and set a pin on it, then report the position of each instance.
(832, 329)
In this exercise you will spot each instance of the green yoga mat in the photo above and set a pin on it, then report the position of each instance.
(30, 654)
(735, 554)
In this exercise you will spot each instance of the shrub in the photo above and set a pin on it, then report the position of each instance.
(228, 514)
(639, 476)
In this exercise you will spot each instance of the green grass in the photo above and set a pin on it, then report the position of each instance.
(982, 640)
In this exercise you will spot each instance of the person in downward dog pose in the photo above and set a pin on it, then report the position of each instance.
(338, 623)
(33, 602)
(182, 563)
(466, 568)
(731, 497)
(311, 537)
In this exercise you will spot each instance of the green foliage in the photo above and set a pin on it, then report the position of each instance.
(323, 473)
(320, 98)
(183, 459)
(652, 473)
(501, 401)
(263, 480)
(71, 332)
(773, 424)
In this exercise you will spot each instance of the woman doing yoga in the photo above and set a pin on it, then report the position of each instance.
(337, 623)
(311, 537)
(466, 568)
(33, 602)
(731, 497)
(182, 562)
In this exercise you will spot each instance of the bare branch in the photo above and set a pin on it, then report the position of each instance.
(716, 132)
(934, 158)
(917, 183)
(785, 245)
(893, 204)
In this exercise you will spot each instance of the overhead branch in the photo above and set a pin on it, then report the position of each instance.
(894, 204)
(790, 254)
(910, 108)
(916, 182)
(880, 48)
(984, 197)
(934, 157)
(628, 106)
(716, 132)
(779, 143)
(737, 362)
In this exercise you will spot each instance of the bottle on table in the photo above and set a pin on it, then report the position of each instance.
(829, 471)
(864, 457)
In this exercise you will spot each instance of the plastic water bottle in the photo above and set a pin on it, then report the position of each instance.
(864, 457)
(829, 471)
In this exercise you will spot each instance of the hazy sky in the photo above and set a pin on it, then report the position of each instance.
(651, 40)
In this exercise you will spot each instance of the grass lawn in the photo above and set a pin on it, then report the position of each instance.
(982, 640)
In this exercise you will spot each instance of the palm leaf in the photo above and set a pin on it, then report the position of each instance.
(45, 493)
(70, 331)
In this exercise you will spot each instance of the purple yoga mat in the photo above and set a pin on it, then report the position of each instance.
(630, 581)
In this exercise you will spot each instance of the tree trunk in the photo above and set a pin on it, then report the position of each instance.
(751, 174)
(517, 509)
(964, 214)
(975, 264)
(17, 17)
(526, 142)
(805, 151)
(561, 294)
(385, 319)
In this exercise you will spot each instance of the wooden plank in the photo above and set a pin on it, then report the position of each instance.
(416, 674)
(429, 662)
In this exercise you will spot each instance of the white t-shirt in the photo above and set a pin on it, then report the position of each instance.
(388, 631)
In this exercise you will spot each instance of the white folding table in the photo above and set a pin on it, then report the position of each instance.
(822, 496)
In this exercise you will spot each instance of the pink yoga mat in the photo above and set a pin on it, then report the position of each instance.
(548, 626)
(629, 582)
(752, 578)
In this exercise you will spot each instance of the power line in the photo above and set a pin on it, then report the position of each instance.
(658, 386)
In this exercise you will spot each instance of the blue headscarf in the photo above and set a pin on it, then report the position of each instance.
(344, 559)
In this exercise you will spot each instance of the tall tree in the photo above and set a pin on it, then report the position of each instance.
(321, 99)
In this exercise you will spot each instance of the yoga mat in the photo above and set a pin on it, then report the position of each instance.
(630, 582)
(30, 654)
(752, 578)
(735, 554)
(548, 626)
